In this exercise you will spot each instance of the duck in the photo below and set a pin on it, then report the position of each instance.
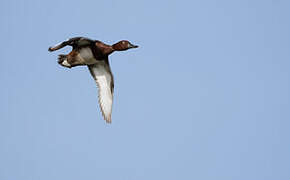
(95, 55)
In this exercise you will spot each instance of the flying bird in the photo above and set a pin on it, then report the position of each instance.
(94, 54)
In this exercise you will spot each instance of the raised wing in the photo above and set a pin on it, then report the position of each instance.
(103, 76)
(74, 42)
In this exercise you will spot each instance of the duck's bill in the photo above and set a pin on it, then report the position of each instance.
(133, 46)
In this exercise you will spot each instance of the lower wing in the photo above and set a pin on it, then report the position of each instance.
(103, 76)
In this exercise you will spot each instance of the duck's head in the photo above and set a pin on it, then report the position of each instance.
(123, 45)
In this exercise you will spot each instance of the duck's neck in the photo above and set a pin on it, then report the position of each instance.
(105, 49)
(115, 47)
(109, 50)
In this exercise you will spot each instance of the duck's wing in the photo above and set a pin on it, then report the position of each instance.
(74, 42)
(103, 76)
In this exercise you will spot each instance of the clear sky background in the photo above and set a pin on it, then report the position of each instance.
(206, 96)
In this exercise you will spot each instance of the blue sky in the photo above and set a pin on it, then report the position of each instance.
(206, 96)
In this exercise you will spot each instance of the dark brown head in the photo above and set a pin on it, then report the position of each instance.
(123, 45)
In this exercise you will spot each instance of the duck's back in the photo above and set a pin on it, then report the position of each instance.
(78, 42)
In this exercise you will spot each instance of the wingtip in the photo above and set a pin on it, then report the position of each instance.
(108, 120)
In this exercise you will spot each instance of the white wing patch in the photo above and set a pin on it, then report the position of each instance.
(102, 74)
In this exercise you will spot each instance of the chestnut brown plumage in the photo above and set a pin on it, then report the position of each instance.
(95, 55)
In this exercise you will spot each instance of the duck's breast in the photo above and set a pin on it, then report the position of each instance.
(87, 56)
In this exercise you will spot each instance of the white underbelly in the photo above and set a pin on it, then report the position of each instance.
(87, 56)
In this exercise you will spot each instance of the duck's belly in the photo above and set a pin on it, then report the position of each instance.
(87, 56)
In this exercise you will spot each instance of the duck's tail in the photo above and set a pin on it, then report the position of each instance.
(62, 60)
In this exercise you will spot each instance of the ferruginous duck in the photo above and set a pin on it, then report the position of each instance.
(94, 54)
